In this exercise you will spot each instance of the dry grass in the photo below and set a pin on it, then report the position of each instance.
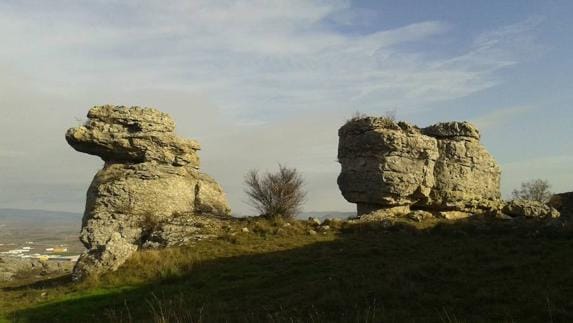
(371, 272)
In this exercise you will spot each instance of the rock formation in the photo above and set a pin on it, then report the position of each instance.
(397, 167)
(530, 209)
(150, 191)
(12, 267)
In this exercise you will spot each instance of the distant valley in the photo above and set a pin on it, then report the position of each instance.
(39, 229)
(47, 229)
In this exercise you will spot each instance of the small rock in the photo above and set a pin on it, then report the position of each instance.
(530, 209)
(325, 228)
(151, 245)
(502, 216)
(286, 225)
(314, 221)
(331, 221)
(419, 215)
(455, 215)
(245, 229)
(312, 232)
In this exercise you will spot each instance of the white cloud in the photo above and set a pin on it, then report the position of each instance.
(257, 82)
(500, 116)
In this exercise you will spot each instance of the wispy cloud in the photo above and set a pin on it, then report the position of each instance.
(219, 66)
(248, 56)
(500, 116)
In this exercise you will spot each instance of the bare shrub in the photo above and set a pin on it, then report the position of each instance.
(391, 115)
(357, 115)
(279, 194)
(388, 118)
(535, 190)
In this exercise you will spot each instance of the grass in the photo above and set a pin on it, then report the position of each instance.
(445, 272)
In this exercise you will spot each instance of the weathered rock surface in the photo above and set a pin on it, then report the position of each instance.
(530, 209)
(11, 267)
(395, 166)
(149, 187)
(133, 135)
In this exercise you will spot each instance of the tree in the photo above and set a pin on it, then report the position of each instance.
(536, 190)
(279, 194)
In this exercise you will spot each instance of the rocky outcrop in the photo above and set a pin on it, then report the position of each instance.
(12, 267)
(395, 167)
(530, 209)
(150, 183)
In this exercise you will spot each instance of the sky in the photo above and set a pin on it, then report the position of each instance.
(259, 83)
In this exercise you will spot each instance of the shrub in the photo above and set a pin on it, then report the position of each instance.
(535, 190)
(357, 116)
(388, 119)
(279, 194)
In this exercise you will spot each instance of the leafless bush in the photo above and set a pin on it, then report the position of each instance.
(279, 194)
(357, 115)
(389, 116)
(536, 190)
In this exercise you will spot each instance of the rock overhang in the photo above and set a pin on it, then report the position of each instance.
(133, 135)
(150, 182)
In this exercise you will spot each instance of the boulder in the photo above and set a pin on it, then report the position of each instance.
(12, 267)
(388, 165)
(148, 193)
(420, 216)
(530, 209)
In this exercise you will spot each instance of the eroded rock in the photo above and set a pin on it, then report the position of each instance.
(388, 165)
(530, 209)
(150, 191)
(12, 267)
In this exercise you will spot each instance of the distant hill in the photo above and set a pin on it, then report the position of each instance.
(39, 215)
(38, 219)
(326, 215)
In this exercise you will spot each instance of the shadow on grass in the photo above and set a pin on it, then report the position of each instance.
(64, 280)
(458, 272)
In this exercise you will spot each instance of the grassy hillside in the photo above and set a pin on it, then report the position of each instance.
(445, 272)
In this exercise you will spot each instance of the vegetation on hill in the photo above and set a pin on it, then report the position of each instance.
(535, 190)
(279, 194)
(468, 271)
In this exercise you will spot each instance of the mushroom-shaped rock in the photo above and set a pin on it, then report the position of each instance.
(150, 180)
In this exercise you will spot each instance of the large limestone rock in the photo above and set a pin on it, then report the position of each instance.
(150, 182)
(392, 167)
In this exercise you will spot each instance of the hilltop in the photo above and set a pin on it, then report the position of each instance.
(443, 271)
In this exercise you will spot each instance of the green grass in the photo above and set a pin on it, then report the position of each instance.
(445, 272)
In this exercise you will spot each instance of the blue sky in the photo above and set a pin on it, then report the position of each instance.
(262, 82)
